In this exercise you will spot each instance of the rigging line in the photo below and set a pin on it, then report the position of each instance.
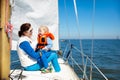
(98, 69)
(78, 25)
(93, 17)
(65, 51)
(86, 78)
(91, 63)
(76, 63)
(67, 20)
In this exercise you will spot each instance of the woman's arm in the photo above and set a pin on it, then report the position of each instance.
(29, 50)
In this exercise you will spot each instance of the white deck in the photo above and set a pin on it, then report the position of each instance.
(66, 73)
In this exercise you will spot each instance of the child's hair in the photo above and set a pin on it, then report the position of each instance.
(45, 28)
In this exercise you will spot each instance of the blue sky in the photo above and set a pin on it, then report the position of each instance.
(106, 19)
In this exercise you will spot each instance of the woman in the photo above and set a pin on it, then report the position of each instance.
(30, 59)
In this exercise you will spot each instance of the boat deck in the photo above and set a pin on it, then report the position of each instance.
(66, 73)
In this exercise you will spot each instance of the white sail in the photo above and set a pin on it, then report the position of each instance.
(36, 12)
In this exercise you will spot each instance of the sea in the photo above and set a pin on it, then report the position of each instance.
(105, 54)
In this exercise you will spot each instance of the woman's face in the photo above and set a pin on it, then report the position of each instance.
(29, 32)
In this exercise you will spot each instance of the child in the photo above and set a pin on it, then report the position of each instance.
(44, 39)
(44, 44)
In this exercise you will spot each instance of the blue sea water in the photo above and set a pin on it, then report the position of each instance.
(106, 55)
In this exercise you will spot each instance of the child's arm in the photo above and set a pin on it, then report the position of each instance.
(49, 44)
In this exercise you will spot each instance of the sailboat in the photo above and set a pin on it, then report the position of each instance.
(44, 12)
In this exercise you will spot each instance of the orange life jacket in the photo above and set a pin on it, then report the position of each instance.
(42, 40)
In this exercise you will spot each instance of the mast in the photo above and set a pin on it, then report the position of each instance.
(4, 41)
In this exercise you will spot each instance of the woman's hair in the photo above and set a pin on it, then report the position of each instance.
(24, 27)
(45, 28)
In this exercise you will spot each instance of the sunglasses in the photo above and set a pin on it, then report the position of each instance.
(30, 30)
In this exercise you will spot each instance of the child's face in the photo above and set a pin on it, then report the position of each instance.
(41, 31)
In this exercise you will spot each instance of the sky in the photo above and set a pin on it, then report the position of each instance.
(101, 22)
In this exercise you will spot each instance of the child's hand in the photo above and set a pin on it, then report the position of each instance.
(45, 48)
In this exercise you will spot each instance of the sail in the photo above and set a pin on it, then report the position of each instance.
(36, 12)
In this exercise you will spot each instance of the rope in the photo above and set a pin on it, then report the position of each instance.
(65, 51)
(78, 25)
(98, 69)
(83, 70)
(67, 20)
(8, 26)
(91, 63)
(77, 64)
(93, 17)
(69, 53)
(9, 29)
